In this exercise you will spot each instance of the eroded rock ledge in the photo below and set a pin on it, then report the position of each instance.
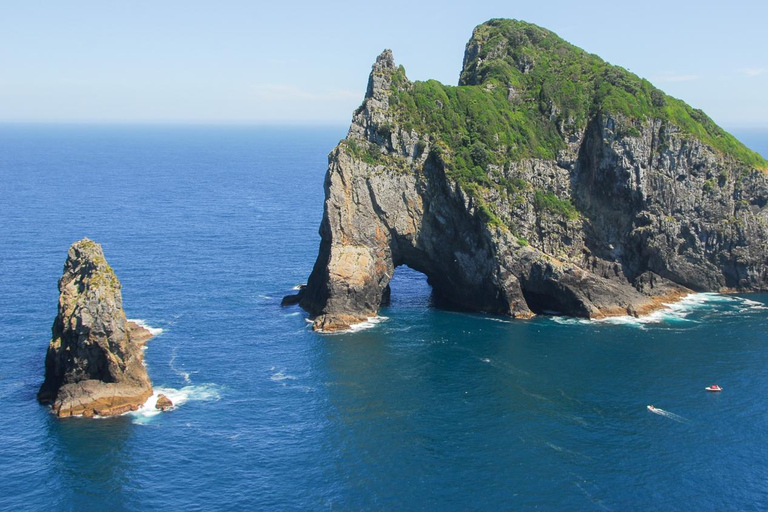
(94, 364)
(631, 210)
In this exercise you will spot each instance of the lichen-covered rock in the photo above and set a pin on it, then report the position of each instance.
(163, 403)
(550, 181)
(94, 364)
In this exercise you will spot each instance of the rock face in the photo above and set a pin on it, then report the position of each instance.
(549, 181)
(94, 364)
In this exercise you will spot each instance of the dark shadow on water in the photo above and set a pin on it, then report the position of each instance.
(410, 289)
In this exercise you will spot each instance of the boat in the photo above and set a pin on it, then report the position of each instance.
(652, 408)
(714, 387)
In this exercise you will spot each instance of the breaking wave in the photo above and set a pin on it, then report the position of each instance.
(752, 304)
(674, 312)
(360, 326)
(371, 322)
(203, 392)
(155, 331)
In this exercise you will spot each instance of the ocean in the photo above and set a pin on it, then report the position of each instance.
(207, 227)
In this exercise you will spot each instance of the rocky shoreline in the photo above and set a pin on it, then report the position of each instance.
(658, 303)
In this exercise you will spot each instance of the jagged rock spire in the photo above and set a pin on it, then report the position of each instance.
(94, 364)
(380, 78)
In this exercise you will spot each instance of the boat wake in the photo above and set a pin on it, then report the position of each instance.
(670, 415)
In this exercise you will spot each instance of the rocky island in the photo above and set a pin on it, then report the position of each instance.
(94, 364)
(547, 181)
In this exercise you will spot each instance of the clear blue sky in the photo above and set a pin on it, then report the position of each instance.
(308, 62)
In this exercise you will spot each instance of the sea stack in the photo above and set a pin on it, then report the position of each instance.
(94, 364)
(163, 402)
(547, 181)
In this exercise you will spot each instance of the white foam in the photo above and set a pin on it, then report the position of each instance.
(279, 376)
(203, 392)
(672, 312)
(371, 322)
(565, 320)
(155, 331)
(710, 297)
(670, 415)
(752, 304)
(500, 320)
(180, 373)
(679, 310)
(288, 381)
(554, 447)
(360, 326)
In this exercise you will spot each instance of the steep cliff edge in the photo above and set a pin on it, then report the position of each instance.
(94, 364)
(548, 180)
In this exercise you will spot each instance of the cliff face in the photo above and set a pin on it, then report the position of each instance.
(94, 364)
(547, 181)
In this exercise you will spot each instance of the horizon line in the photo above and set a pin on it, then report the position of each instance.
(254, 123)
(175, 122)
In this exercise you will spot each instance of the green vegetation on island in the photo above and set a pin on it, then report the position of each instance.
(523, 92)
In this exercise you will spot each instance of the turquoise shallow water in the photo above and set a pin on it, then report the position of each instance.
(208, 228)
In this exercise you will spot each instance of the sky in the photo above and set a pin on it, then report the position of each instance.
(296, 62)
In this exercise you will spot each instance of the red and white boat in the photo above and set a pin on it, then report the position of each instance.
(714, 387)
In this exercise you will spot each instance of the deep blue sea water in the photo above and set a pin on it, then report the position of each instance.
(208, 227)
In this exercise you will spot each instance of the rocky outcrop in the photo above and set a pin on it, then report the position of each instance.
(630, 211)
(138, 334)
(94, 364)
(163, 403)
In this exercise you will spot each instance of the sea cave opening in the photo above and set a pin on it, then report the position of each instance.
(547, 298)
(409, 289)
(541, 303)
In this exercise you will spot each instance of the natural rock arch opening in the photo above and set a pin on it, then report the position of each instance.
(408, 289)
